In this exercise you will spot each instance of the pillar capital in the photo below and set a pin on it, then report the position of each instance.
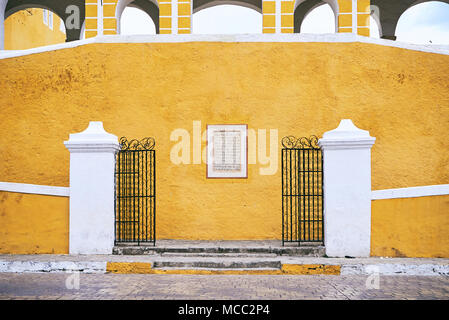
(346, 136)
(93, 139)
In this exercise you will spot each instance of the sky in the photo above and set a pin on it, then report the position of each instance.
(424, 23)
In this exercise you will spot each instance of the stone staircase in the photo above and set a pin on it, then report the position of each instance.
(219, 255)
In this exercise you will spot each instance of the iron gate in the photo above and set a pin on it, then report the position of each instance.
(135, 192)
(302, 190)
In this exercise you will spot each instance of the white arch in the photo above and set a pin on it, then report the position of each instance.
(332, 3)
(121, 5)
(228, 2)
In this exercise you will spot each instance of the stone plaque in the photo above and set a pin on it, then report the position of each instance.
(227, 151)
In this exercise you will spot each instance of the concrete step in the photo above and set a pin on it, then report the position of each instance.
(217, 264)
(219, 255)
(213, 249)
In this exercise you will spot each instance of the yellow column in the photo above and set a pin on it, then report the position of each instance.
(184, 16)
(353, 16)
(109, 19)
(287, 14)
(91, 23)
(165, 16)
(269, 16)
(363, 15)
(345, 16)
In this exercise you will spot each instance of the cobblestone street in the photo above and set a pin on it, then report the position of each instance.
(121, 286)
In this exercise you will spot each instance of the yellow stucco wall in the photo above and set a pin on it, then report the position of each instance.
(25, 29)
(33, 223)
(139, 90)
(410, 227)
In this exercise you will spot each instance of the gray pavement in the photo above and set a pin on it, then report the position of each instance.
(133, 286)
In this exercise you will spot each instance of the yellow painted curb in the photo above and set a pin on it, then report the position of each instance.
(311, 269)
(286, 269)
(128, 267)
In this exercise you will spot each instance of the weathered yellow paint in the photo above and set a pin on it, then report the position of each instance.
(33, 223)
(138, 90)
(306, 269)
(25, 29)
(410, 227)
(286, 269)
(128, 267)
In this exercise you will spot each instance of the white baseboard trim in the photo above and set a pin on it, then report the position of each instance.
(412, 192)
(35, 189)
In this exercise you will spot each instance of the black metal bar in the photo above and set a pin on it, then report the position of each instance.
(146, 194)
(322, 197)
(296, 196)
(154, 199)
(302, 190)
(308, 194)
(282, 178)
(290, 175)
(135, 192)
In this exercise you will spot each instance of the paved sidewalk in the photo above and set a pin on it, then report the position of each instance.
(127, 286)
(99, 263)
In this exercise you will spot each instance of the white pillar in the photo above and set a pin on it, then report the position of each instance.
(100, 18)
(2, 23)
(92, 165)
(278, 16)
(347, 190)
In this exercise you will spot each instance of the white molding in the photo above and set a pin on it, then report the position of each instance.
(411, 192)
(278, 16)
(35, 189)
(182, 38)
